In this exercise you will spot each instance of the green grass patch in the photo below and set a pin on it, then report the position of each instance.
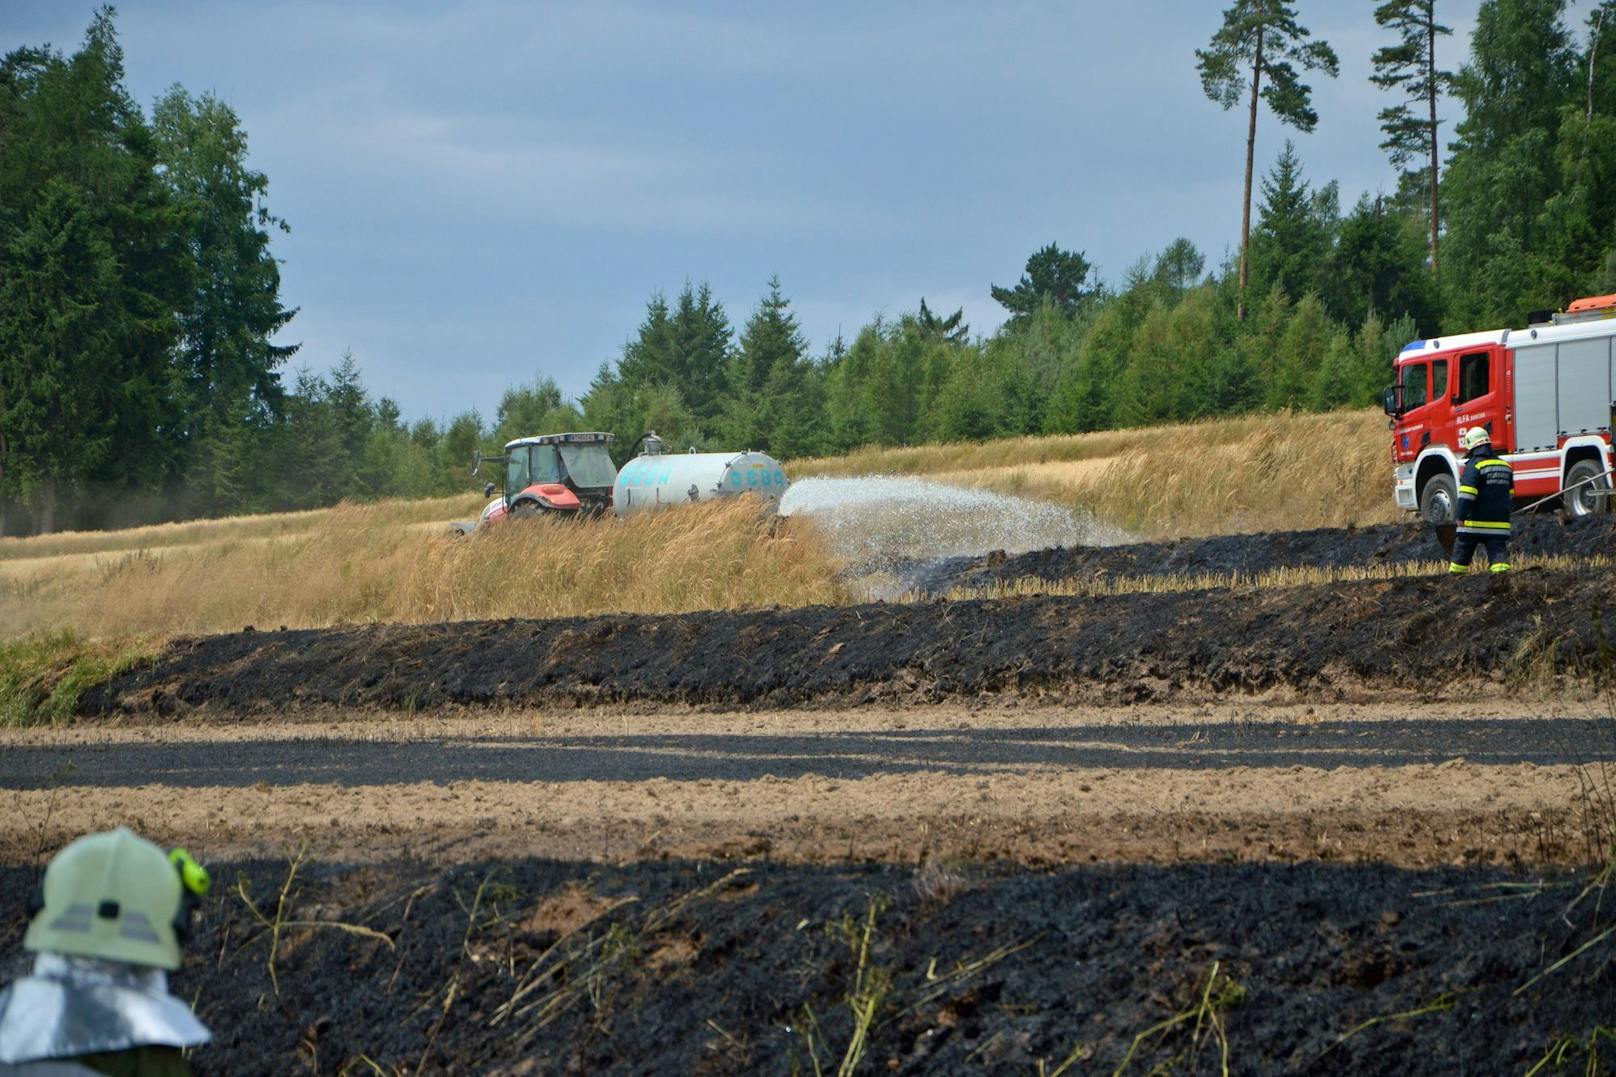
(43, 675)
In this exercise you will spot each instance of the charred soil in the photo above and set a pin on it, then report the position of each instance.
(1535, 535)
(1332, 641)
(526, 966)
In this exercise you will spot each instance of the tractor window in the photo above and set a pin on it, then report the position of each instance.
(516, 470)
(1414, 386)
(1473, 376)
(589, 464)
(545, 466)
(1439, 379)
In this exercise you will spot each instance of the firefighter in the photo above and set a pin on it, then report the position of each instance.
(1486, 495)
(107, 927)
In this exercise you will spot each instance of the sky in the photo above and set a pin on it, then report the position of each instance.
(486, 192)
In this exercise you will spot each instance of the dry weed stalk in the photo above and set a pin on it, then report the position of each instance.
(277, 925)
(589, 968)
(1442, 1004)
(1220, 994)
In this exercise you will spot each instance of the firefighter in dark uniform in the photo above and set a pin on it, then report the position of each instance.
(1486, 495)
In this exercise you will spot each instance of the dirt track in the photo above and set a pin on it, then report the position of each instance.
(1032, 786)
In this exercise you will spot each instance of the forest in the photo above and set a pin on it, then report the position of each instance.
(148, 369)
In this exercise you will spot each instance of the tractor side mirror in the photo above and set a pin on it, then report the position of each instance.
(488, 491)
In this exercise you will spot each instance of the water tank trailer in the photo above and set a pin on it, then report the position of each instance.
(656, 479)
(571, 474)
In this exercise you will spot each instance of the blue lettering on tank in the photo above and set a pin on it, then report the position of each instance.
(734, 478)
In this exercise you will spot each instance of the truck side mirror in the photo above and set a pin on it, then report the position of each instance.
(1388, 400)
(488, 491)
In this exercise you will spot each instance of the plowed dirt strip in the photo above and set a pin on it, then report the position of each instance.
(1324, 642)
(1411, 815)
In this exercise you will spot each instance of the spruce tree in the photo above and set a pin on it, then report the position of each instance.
(228, 363)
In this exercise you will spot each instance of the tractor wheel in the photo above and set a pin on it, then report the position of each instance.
(1586, 500)
(526, 510)
(1438, 500)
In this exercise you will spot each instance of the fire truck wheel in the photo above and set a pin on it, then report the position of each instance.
(1586, 500)
(1438, 499)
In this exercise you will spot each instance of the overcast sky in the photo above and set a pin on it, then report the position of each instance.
(484, 192)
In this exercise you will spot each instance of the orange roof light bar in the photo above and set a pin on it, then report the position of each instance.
(1593, 302)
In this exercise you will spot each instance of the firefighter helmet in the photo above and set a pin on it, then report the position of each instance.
(1474, 438)
(117, 897)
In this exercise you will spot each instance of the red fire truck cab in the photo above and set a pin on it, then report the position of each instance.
(1544, 392)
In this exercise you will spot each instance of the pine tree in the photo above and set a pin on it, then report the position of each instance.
(1410, 67)
(1053, 276)
(951, 329)
(1261, 42)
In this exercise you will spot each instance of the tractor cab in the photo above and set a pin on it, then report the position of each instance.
(568, 474)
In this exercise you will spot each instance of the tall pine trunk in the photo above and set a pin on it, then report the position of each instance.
(47, 507)
(1251, 153)
(1430, 77)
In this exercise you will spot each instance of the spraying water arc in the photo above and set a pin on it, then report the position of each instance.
(884, 525)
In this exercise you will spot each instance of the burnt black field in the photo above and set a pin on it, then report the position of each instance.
(1350, 640)
(713, 968)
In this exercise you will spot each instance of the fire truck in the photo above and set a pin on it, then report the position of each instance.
(1545, 393)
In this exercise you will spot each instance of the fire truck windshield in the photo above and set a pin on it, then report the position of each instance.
(1414, 386)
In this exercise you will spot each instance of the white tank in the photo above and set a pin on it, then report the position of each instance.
(652, 481)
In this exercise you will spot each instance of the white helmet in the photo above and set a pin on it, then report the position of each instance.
(1474, 438)
(118, 897)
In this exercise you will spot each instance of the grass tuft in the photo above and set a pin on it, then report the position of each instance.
(42, 675)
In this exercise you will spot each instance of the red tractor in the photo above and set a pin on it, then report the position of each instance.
(567, 474)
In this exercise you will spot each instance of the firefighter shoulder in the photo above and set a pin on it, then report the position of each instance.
(107, 927)
(1486, 487)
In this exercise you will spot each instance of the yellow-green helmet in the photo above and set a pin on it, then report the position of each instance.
(118, 897)
(1474, 438)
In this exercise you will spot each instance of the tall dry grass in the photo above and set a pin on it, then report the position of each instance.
(197, 532)
(1256, 473)
(378, 563)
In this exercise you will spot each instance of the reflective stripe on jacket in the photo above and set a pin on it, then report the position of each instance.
(1486, 494)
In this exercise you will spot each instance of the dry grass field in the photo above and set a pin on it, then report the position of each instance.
(386, 562)
(1256, 473)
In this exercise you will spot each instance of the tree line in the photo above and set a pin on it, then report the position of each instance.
(140, 377)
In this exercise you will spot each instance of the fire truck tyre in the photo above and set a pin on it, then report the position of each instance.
(1586, 500)
(1438, 499)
